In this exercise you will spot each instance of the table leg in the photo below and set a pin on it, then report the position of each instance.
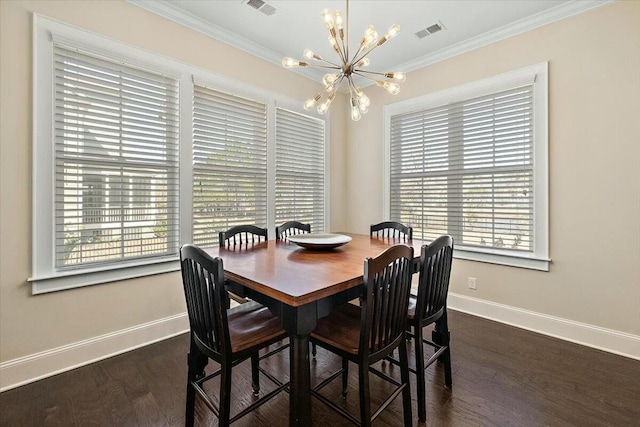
(299, 322)
(300, 396)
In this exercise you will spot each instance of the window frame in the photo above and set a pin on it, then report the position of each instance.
(537, 75)
(45, 277)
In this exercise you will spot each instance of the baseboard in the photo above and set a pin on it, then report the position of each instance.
(23, 370)
(616, 342)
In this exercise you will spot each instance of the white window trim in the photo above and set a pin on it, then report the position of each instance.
(539, 258)
(44, 277)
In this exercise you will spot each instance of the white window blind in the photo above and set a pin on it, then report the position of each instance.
(299, 169)
(466, 169)
(116, 161)
(229, 163)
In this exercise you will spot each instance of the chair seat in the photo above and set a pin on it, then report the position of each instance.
(340, 329)
(251, 324)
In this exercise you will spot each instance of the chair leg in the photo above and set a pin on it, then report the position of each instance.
(196, 363)
(406, 393)
(440, 335)
(225, 395)
(365, 397)
(345, 376)
(420, 383)
(447, 367)
(314, 350)
(255, 373)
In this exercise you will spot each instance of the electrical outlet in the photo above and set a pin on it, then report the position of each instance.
(472, 283)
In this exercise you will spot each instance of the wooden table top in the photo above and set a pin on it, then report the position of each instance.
(297, 276)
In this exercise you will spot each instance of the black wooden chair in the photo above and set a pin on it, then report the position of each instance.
(430, 306)
(228, 337)
(369, 333)
(242, 235)
(391, 229)
(291, 228)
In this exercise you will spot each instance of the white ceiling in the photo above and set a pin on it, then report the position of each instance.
(298, 24)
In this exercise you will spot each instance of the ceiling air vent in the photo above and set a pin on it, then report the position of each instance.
(430, 30)
(262, 6)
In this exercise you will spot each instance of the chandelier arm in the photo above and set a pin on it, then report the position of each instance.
(360, 58)
(351, 86)
(338, 48)
(370, 72)
(334, 67)
(329, 62)
(345, 48)
(335, 84)
(363, 75)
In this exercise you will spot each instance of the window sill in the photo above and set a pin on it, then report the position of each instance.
(511, 260)
(60, 281)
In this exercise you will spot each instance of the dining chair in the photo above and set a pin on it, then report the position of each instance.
(291, 228)
(227, 337)
(429, 306)
(391, 229)
(368, 333)
(242, 235)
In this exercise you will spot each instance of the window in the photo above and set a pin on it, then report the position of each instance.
(229, 163)
(115, 130)
(134, 155)
(471, 162)
(299, 169)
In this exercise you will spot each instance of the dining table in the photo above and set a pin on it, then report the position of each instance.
(300, 286)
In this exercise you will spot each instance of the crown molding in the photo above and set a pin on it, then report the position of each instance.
(194, 22)
(549, 16)
(566, 10)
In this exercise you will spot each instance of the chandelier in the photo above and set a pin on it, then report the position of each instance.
(348, 66)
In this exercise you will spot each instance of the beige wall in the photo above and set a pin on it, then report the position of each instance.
(594, 157)
(29, 324)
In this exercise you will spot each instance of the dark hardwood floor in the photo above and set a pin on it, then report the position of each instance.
(502, 376)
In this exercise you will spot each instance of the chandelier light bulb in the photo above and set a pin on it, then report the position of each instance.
(329, 79)
(355, 113)
(324, 106)
(310, 55)
(291, 63)
(339, 20)
(370, 36)
(392, 32)
(396, 76)
(363, 100)
(328, 18)
(392, 88)
(334, 44)
(309, 103)
(364, 62)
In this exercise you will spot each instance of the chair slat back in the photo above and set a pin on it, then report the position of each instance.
(291, 228)
(242, 235)
(392, 230)
(387, 281)
(206, 298)
(435, 271)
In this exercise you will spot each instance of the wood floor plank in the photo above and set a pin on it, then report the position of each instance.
(502, 376)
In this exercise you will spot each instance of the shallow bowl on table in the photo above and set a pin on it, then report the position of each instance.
(319, 241)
